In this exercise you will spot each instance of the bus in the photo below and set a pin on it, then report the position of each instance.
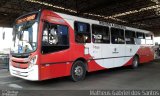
(49, 44)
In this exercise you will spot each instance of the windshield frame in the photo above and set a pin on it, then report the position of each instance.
(38, 13)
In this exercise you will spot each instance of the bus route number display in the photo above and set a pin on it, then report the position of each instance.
(25, 19)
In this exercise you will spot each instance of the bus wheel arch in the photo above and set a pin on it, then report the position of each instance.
(78, 69)
(84, 61)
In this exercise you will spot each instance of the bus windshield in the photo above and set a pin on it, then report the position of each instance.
(25, 37)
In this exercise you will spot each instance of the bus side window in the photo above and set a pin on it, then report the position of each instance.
(45, 34)
(130, 37)
(117, 36)
(82, 32)
(149, 39)
(140, 35)
(140, 38)
(55, 38)
(100, 34)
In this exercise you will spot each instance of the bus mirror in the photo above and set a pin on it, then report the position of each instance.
(14, 32)
(20, 35)
(3, 35)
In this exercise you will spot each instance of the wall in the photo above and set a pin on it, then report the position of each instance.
(6, 43)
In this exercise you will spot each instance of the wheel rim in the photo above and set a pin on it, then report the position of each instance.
(78, 71)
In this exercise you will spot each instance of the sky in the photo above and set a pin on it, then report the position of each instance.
(7, 42)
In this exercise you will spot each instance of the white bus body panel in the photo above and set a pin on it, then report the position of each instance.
(28, 74)
(107, 55)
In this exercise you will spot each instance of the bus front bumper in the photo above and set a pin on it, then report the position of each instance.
(28, 74)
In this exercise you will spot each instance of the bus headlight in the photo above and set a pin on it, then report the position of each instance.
(33, 61)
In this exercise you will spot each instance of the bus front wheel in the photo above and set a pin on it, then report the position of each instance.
(78, 71)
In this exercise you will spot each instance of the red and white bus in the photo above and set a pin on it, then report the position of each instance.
(48, 45)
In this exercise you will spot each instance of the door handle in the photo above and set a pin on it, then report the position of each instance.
(130, 50)
(115, 51)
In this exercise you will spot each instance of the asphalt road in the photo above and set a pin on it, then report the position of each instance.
(145, 77)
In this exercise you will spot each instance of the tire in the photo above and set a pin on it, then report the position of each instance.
(78, 71)
(135, 62)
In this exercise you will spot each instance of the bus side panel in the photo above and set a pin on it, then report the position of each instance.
(146, 54)
(45, 72)
(93, 66)
(58, 70)
(150, 54)
(129, 62)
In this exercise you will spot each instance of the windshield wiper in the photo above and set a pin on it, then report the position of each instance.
(24, 55)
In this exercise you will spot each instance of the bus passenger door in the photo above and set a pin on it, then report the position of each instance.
(55, 50)
(118, 46)
(131, 48)
(101, 40)
(107, 55)
(130, 52)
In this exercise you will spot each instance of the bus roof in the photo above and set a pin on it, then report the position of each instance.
(91, 21)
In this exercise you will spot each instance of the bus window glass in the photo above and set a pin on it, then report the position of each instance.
(129, 37)
(82, 32)
(140, 38)
(55, 38)
(100, 34)
(25, 37)
(117, 36)
(148, 36)
(140, 35)
(149, 39)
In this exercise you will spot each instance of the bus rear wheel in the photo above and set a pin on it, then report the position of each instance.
(78, 71)
(135, 62)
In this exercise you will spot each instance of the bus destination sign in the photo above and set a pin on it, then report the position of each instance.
(25, 19)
